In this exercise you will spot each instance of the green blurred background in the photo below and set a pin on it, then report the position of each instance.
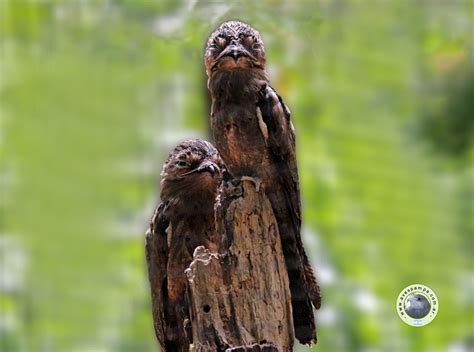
(95, 93)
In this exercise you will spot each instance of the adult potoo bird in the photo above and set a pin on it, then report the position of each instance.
(255, 137)
(182, 221)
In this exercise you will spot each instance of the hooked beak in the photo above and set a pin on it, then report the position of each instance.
(234, 51)
(209, 166)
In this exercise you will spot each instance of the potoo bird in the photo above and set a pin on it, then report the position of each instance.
(253, 132)
(182, 221)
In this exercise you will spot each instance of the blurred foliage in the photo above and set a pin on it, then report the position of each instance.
(94, 94)
(449, 122)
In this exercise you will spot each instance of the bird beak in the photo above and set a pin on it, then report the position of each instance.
(234, 51)
(210, 167)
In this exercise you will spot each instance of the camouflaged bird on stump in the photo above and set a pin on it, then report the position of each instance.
(255, 137)
(249, 285)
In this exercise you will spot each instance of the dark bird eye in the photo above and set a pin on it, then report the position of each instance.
(182, 163)
(220, 42)
(255, 46)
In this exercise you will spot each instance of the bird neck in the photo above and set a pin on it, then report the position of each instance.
(185, 199)
(236, 84)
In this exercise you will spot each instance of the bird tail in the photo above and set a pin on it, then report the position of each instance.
(301, 292)
(303, 285)
(311, 283)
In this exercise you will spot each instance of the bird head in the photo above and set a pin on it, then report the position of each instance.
(416, 301)
(233, 46)
(193, 167)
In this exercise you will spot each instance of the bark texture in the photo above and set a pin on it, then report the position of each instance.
(240, 298)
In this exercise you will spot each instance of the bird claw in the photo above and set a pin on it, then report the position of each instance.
(255, 180)
(232, 188)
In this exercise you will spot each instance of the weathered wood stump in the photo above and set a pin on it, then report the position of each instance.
(240, 298)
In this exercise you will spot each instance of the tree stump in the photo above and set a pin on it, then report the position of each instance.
(240, 298)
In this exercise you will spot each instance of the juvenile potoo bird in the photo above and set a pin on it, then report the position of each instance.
(255, 137)
(182, 221)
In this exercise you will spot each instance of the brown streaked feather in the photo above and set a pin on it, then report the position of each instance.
(156, 248)
(313, 286)
(282, 147)
(239, 135)
(287, 133)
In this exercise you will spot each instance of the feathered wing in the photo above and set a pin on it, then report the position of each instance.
(287, 207)
(157, 257)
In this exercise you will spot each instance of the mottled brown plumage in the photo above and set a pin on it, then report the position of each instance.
(254, 135)
(182, 221)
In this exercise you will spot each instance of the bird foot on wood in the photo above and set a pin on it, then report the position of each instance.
(232, 188)
(255, 180)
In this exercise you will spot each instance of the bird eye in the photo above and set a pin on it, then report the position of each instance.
(220, 42)
(256, 46)
(182, 163)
